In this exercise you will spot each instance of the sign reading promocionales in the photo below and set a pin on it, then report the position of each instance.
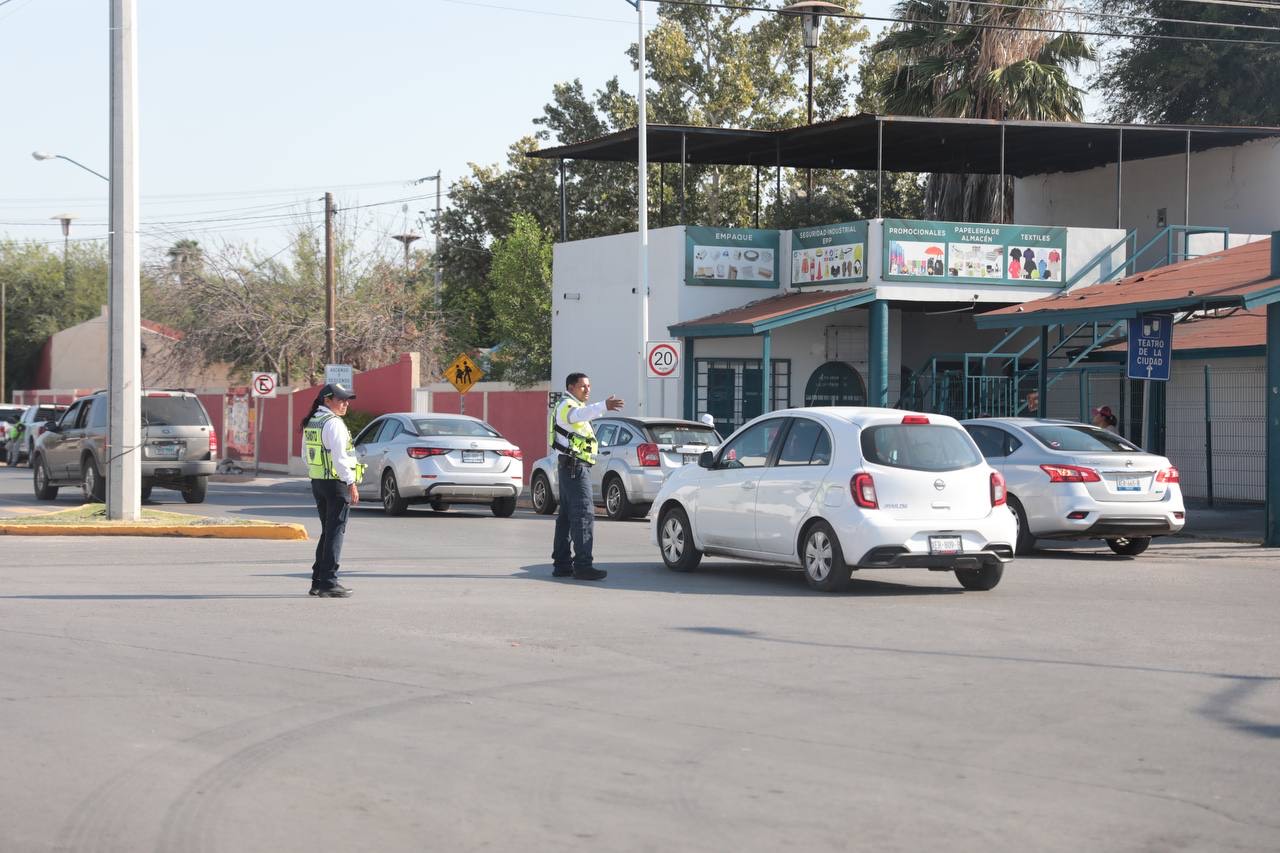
(974, 252)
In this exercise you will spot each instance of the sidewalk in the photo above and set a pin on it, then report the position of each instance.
(1225, 522)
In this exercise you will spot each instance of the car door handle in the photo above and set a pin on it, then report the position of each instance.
(605, 452)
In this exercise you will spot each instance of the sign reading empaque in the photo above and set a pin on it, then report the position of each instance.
(731, 257)
(829, 254)
(974, 252)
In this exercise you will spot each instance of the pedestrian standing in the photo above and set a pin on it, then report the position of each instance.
(1104, 418)
(334, 473)
(574, 442)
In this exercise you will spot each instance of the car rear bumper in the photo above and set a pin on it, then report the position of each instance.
(176, 470)
(897, 557)
(470, 492)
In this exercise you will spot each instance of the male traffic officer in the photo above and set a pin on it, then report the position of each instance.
(335, 473)
(574, 442)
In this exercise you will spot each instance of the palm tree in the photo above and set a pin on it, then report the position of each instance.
(185, 258)
(1004, 59)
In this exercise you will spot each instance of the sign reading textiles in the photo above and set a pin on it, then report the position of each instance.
(829, 254)
(974, 252)
(731, 257)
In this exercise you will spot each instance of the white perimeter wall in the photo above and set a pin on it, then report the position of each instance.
(1236, 187)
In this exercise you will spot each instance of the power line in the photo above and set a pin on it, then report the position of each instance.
(980, 26)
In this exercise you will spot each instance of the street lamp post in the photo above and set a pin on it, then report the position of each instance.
(65, 219)
(406, 239)
(45, 155)
(811, 12)
(436, 234)
(642, 158)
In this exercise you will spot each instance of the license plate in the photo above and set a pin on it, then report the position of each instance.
(690, 458)
(1129, 484)
(473, 456)
(163, 451)
(945, 545)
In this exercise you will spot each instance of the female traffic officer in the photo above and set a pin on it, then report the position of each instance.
(334, 472)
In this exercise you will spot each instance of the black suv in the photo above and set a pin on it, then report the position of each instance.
(179, 447)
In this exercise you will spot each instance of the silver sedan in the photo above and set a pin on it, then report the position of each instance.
(1069, 480)
(440, 459)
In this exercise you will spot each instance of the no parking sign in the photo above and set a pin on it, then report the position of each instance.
(663, 359)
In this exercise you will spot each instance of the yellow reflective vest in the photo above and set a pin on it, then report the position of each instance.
(579, 441)
(319, 459)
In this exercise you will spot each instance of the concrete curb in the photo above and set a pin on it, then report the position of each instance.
(278, 531)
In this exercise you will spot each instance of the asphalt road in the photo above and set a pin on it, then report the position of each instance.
(186, 695)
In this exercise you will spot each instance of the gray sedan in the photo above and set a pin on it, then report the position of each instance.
(636, 456)
(440, 459)
(1069, 480)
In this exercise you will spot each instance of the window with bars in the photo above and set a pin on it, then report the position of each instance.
(732, 389)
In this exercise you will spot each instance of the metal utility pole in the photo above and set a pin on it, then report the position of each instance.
(642, 163)
(124, 473)
(330, 292)
(439, 260)
(4, 298)
(811, 12)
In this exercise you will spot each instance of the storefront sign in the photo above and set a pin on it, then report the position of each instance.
(731, 257)
(829, 254)
(974, 252)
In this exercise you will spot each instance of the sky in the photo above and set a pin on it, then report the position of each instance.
(251, 109)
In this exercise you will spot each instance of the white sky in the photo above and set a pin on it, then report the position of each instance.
(256, 107)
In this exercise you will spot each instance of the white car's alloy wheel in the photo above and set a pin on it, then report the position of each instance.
(817, 555)
(672, 539)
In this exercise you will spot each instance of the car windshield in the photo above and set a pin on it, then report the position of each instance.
(920, 447)
(1078, 438)
(172, 411)
(10, 415)
(454, 426)
(683, 434)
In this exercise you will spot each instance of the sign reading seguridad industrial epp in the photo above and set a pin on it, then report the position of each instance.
(829, 254)
(974, 252)
(731, 257)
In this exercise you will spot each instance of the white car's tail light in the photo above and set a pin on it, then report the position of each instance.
(1070, 474)
(514, 454)
(648, 456)
(426, 452)
(863, 489)
(915, 419)
(999, 494)
(1169, 475)
(213, 442)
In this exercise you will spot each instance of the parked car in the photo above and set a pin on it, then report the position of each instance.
(179, 447)
(439, 459)
(1069, 480)
(636, 456)
(835, 489)
(9, 415)
(24, 433)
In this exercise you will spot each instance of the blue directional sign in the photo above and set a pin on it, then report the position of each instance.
(1150, 346)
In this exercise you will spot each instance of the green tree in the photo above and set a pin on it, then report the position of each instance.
(969, 69)
(520, 280)
(1151, 79)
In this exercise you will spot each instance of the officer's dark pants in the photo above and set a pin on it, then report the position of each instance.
(333, 502)
(575, 520)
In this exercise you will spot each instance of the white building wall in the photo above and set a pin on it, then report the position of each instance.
(1236, 187)
(1237, 392)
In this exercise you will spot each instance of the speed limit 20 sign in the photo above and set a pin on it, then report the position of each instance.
(663, 358)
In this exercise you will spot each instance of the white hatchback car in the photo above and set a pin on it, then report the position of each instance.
(837, 489)
(440, 459)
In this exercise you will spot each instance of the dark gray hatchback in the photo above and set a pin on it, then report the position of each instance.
(179, 447)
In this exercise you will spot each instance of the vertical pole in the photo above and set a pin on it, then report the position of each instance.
(1186, 201)
(662, 193)
(124, 472)
(439, 260)
(564, 207)
(330, 286)
(766, 373)
(777, 197)
(1119, 178)
(690, 380)
(878, 353)
(1271, 536)
(809, 190)
(1208, 436)
(1003, 218)
(1042, 374)
(4, 299)
(1084, 396)
(642, 286)
(757, 168)
(684, 153)
(933, 382)
(879, 169)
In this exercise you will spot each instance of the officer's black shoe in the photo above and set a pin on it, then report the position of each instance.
(562, 571)
(335, 591)
(589, 574)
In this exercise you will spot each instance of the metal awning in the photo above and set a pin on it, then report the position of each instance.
(765, 315)
(1232, 278)
(912, 144)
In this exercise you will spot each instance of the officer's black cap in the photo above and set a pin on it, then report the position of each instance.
(337, 392)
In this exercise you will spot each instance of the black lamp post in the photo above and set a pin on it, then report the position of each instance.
(810, 12)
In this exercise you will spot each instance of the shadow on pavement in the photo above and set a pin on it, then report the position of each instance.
(145, 597)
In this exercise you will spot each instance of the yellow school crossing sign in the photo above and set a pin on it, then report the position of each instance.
(463, 373)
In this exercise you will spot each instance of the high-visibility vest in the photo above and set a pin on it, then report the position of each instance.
(319, 459)
(579, 440)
